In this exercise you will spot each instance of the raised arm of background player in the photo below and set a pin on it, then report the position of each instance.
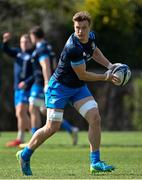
(12, 52)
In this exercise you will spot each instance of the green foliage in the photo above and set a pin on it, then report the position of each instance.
(118, 15)
(93, 7)
(113, 22)
(117, 23)
(137, 100)
(118, 28)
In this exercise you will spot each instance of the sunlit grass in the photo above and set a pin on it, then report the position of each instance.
(58, 159)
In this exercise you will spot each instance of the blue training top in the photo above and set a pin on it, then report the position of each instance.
(73, 54)
(22, 65)
(42, 51)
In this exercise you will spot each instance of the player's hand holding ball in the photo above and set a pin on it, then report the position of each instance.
(111, 77)
(113, 66)
(119, 74)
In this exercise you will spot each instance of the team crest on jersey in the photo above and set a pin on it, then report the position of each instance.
(19, 55)
(26, 57)
(93, 45)
(87, 56)
(84, 54)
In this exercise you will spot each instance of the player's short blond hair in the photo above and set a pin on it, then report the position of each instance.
(26, 36)
(82, 16)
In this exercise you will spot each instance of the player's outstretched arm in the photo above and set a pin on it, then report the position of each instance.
(84, 75)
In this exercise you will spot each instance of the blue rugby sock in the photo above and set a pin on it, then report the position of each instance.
(33, 130)
(65, 125)
(26, 154)
(94, 157)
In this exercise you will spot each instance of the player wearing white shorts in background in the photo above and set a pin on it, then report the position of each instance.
(68, 85)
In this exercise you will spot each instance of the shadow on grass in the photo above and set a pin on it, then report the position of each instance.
(113, 174)
(86, 145)
(119, 175)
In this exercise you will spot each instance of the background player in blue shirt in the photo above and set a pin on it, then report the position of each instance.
(68, 85)
(42, 73)
(22, 82)
(42, 68)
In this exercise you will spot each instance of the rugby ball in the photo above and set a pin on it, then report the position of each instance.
(123, 72)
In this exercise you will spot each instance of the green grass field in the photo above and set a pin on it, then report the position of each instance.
(58, 159)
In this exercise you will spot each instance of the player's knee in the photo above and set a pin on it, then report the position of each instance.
(55, 128)
(95, 119)
(43, 110)
(32, 109)
(20, 112)
(52, 128)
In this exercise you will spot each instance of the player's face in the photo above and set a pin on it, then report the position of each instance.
(82, 30)
(25, 44)
(33, 39)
